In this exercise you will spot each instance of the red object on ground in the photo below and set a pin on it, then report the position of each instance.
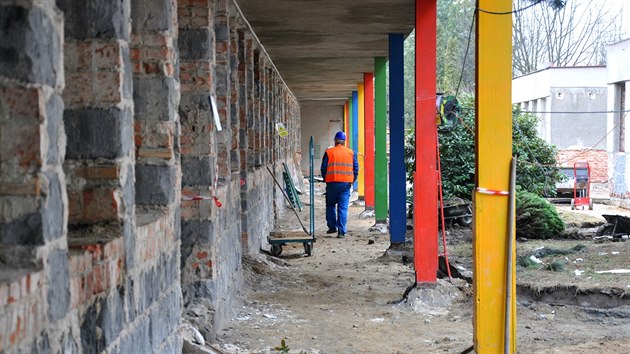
(581, 186)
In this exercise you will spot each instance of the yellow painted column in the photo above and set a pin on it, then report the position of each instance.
(361, 157)
(494, 153)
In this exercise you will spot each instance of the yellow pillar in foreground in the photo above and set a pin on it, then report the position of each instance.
(361, 157)
(494, 153)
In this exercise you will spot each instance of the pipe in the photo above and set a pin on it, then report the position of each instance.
(508, 282)
(441, 195)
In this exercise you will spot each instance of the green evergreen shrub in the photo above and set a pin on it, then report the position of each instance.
(536, 218)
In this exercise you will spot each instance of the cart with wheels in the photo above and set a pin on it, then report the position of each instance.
(277, 239)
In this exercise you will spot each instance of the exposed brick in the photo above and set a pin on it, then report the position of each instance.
(98, 172)
(597, 159)
(21, 153)
(195, 76)
(93, 205)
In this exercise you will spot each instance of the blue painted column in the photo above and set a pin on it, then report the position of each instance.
(355, 130)
(397, 170)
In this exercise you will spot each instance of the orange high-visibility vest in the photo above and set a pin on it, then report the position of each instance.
(340, 160)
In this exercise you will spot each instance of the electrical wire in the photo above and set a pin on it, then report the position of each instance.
(513, 11)
(577, 112)
(559, 163)
(461, 74)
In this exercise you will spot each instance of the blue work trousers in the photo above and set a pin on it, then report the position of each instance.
(337, 199)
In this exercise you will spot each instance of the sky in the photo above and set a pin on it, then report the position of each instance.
(620, 6)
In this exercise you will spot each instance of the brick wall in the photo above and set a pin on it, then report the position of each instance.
(597, 160)
(112, 162)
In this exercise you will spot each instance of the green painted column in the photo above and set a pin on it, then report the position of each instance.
(380, 140)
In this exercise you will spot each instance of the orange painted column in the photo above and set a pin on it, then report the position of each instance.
(425, 196)
(368, 83)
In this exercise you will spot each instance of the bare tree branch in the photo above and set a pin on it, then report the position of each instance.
(575, 34)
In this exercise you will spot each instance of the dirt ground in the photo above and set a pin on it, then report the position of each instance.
(345, 298)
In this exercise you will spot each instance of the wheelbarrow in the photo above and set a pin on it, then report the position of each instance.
(460, 214)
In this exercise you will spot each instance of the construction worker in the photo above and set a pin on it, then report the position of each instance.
(340, 169)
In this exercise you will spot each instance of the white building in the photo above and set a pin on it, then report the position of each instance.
(618, 142)
(571, 103)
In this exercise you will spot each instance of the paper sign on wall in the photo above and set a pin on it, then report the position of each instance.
(282, 131)
(215, 113)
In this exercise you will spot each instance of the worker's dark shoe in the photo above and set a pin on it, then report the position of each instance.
(331, 231)
(340, 235)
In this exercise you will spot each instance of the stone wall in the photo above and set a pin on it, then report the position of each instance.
(123, 208)
(221, 60)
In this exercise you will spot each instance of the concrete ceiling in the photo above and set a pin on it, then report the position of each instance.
(322, 47)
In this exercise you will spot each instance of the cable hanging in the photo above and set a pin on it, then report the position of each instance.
(513, 11)
(577, 112)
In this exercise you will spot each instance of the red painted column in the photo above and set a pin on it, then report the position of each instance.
(425, 222)
(368, 82)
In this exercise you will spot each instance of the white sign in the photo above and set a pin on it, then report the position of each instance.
(215, 113)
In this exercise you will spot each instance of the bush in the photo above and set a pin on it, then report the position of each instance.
(536, 218)
(536, 171)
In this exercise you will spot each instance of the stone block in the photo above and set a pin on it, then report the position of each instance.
(130, 244)
(58, 280)
(30, 45)
(150, 286)
(53, 211)
(151, 15)
(198, 170)
(154, 98)
(195, 44)
(201, 289)
(155, 185)
(137, 341)
(127, 73)
(96, 19)
(111, 317)
(164, 319)
(55, 131)
(98, 133)
(196, 232)
(25, 230)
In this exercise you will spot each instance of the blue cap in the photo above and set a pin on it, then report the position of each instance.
(340, 136)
